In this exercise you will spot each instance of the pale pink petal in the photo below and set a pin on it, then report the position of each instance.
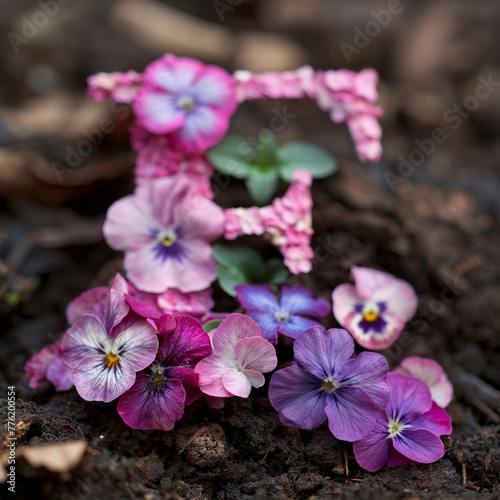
(210, 371)
(255, 353)
(367, 281)
(237, 383)
(400, 298)
(158, 112)
(344, 298)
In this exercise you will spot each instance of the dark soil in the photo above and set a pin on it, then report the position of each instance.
(438, 229)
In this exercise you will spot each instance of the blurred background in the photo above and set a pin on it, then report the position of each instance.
(429, 211)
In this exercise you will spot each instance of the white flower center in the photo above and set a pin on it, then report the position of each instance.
(395, 427)
(330, 385)
(167, 237)
(281, 316)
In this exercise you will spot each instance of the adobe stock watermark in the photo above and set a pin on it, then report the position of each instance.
(363, 37)
(30, 26)
(223, 6)
(454, 117)
(93, 138)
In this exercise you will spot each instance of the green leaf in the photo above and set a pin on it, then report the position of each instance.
(276, 271)
(262, 185)
(303, 156)
(233, 156)
(229, 277)
(211, 325)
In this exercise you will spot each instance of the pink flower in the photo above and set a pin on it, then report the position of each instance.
(188, 99)
(121, 87)
(375, 309)
(432, 374)
(47, 366)
(165, 231)
(157, 158)
(195, 304)
(286, 223)
(239, 358)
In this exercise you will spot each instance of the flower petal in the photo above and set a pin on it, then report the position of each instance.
(323, 353)
(95, 382)
(138, 344)
(297, 396)
(255, 353)
(432, 374)
(87, 337)
(85, 303)
(215, 87)
(351, 413)
(210, 371)
(267, 323)
(236, 383)
(400, 298)
(367, 281)
(296, 325)
(435, 420)
(368, 371)
(410, 397)
(231, 330)
(186, 344)
(395, 458)
(189, 381)
(257, 297)
(158, 112)
(112, 310)
(143, 409)
(299, 300)
(372, 451)
(35, 368)
(59, 374)
(344, 299)
(419, 445)
(390, 330)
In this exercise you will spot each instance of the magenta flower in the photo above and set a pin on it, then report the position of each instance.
(188, 99)
(375, 309)
(430, 372)
(295, 311)
(239, 358)
(160, 392)
(165, 231)
(104, 355)
(47, 366)
(328, 381)
(408, 429)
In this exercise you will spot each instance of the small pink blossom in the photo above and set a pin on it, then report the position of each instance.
(187, 99)
(375, 309)
(165, 229)
(286, 223)
(240, 356)
(121, 87)
(432, 373)
(157, 157)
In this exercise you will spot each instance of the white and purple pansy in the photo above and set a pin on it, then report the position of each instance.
(376, 308)
(187, 99)
(104, 366)
(165, 230)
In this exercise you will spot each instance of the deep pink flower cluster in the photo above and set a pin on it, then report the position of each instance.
(121, 87)
(286, 223)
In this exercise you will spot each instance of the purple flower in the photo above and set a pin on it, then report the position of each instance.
(328, 381)
(375, 309)
(104, 355)
(160, 392)
(240, 356)
(290, 315)
(408, 429)
(188, 99)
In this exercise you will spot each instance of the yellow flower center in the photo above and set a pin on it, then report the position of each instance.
(330, 385)
(111, 361)
(168, 241)
(186, 103)
(370, 316)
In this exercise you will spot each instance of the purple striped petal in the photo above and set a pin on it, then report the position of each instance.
(410, 397)
(296, 325)
(256, 297)
(297, 396)
(267, 324)
(300, 300)
(351, 413)
(419, 445)
(395, 458)
(372, 451)
(323, 353)
(435, 420)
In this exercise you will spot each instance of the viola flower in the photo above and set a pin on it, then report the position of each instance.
(430, 372)
(165, 231)
(187, 99)
(328, 381)
(160, 392)
(408, 429)
(47, 366)
(239, 358)
(376, 308)
(290, 315)
(104, 359)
